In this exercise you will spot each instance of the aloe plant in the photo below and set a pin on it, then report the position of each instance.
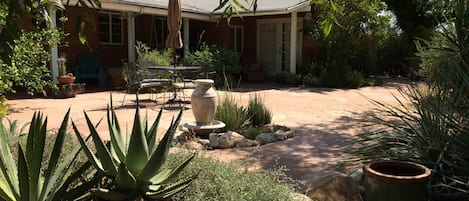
(134, 171)
(26, 180)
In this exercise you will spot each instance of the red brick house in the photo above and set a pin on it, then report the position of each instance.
(263, 39)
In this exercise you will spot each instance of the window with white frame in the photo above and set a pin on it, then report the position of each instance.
(238, 39)
(110, 28)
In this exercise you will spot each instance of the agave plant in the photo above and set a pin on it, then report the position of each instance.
(26, 180)
(134, 171)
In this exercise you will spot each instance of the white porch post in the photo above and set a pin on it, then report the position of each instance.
(293, 41)
(131, 36)
(185, 22)
(53, 50)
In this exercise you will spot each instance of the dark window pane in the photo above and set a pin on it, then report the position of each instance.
(116, 38)
(110, 28)
(104, 37)
(104, 28)
(115, 19)
(116, 29)
(103, 18)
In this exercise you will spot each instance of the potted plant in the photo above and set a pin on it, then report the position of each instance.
(116, 74)
(396, 180)
(64, 77)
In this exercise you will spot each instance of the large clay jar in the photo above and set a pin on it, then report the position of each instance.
(396, 180)
(204, 102)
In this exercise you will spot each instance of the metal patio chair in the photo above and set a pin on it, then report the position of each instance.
(142, 79)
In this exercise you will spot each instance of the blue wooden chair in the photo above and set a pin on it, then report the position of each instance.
(88, 68)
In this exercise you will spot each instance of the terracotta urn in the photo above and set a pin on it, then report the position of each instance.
(204, 102)
(396, 180)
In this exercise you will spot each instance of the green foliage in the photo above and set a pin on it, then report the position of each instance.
(362, 31)
(147, 57)
(445, 58)
(219, 180)
(328, 12)
(431, 131)
(231, 7)
(418, 18)
(133, 171)
(431, 127)
(27, 179)
(233, 115)
(4, 106)
(259, 114)
(287, 78)
(116, 71)
(355, 79)
(28, 65)
(34, 15)
(312, 80)
(334, 75)
(224, 61)
(252, 132)
(204, 57)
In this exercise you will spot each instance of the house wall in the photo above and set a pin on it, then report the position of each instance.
(212, 33)
(109, 55)
(310, 48)
(218, 33)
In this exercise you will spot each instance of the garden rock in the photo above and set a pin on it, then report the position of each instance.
(337, 187)
(203, 142)
(247, 143)
(290, 134)
(221, 140)
(236, 137)
(359, 177)
(265, 138)
(193, 145)
(280, 135)
(182, 137)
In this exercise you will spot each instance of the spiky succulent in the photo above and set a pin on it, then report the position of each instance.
(134, 171)
(27, 180)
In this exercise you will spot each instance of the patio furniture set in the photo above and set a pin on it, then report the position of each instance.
(172, 79)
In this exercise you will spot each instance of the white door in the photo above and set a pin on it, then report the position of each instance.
(274, 45)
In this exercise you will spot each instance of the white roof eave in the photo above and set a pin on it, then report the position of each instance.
(190, 12)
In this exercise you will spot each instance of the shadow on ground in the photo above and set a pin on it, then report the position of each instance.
(317, 149)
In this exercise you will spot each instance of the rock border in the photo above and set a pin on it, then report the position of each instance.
(232, 139)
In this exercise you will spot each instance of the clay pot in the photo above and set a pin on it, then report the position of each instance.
(396, 180)
(204, 101)
(66, 79)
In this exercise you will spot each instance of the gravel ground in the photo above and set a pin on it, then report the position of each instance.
(325, 120)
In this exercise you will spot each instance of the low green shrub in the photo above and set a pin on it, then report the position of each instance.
(287, 78)
(224, 61)
(252, 132)
(334, 75)
(28, 64)
(258, 113)
(355, 79)
(232, 182)
(233, 115)
(147, 57)
(311, 80)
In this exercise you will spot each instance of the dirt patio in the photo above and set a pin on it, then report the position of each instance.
(325, 120)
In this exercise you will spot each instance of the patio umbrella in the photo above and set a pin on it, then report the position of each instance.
(174, 26)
